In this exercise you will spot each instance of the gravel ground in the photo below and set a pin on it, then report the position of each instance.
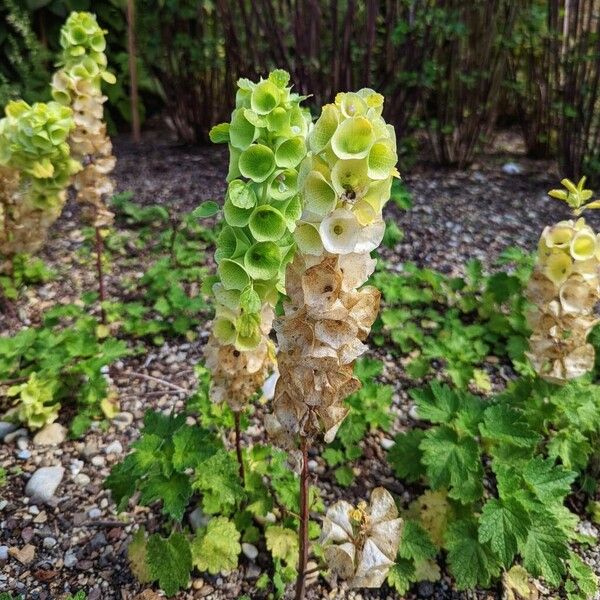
(76, 540)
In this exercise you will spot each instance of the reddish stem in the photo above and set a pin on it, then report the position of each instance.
(99, 249)
(238, 445)
(303, 529)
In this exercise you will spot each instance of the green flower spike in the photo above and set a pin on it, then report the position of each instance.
(33, 147)
(267, 143)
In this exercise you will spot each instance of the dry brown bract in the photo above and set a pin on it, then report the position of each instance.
(361, 543)
(320, 336)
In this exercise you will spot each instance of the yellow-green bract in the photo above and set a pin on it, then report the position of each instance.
(267, 143)
(33, 141)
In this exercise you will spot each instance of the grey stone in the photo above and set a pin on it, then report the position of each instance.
(49, 542)
(69, 560)
(51, 435)
(23, 454)
(98, 461)
(511, 168)
(43, 483)
(250, 550)
(387, 444)
(9, 438)
(3, 553)
(114, 448)
(5, 429)
(94, 513)
(198, 519)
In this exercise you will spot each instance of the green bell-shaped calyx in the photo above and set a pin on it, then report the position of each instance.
(267, 144)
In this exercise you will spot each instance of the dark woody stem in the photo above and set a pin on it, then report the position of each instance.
(304, 516)
(238, 445)
(101, 293)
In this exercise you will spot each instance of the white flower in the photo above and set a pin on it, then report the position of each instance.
(340, 232)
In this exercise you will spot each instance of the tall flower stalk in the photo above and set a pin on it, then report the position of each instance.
(267, 143)
(78, 84)
(344, 181)
(564, 288)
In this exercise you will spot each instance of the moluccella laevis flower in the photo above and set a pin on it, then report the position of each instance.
(267, 143)
(35, 169)
(360, 543)
(78, 84)
(345, 181)
(564, 289)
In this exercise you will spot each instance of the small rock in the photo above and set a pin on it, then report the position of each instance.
(312, 465)
(89, 450)
(22, 443)
(114, 448)
(10, 437)
(75, 466)
(3, 553)
(253, 572)
(387, 444)
(198, 519)
(94, 513)
(23, 454)
(81, 479)
(123, 420)
(511, 168)
(27, 534)
(24, 555)
(250, 550)
(5, 429)
(98, 541)
(43, 483)
(69, 560)
(41, 518)
(49, 542)
(198, 584)
(425, 589)
(33, 510)
(98, 461)
(51, 435)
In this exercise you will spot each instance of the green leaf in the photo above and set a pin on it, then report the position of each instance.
(471, 563)
(583, 578)
(549, 482)
(137, 554)
(216, 548)
(218, 480)
(503, 424)
(545, 550)
(453, 461)
(405, 456)
(122, 481)
(174, 491)
(170, 561)
(344, 475)
(206, 209)
(504, 524)
(400, 576)
(219, 134)
(415, 542)
(437, 403)
(572, 447)
(191, 446)
(282, 543)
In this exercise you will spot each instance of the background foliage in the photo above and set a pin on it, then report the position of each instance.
(448, 69)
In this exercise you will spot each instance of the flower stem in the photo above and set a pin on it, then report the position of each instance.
(303, 530)
(238, 445)
(99, 249)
